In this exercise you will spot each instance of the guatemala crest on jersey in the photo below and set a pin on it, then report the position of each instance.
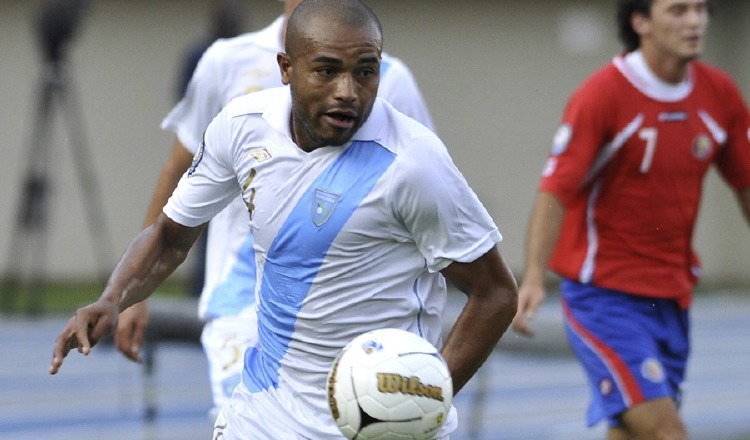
(323, 205)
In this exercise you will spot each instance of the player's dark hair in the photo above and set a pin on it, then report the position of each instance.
(350, 12)
(625, 10)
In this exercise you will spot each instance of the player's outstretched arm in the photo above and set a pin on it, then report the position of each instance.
(492, 301)
(152, 256)
(541, 237)
(132, 323)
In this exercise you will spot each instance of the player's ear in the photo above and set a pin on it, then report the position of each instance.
(285, 66)
(640, 24)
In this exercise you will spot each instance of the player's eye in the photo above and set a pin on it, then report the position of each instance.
(366, 73)
(325, 71)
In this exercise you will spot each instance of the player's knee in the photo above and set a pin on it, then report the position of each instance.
(654, 420)
(663, 432)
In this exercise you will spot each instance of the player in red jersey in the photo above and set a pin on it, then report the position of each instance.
(617, 206)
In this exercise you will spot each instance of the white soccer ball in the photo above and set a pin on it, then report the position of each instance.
(389, 384)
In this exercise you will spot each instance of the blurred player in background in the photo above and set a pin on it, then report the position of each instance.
(231, 68)
(356, 212)
(617, 206)
(228, 19)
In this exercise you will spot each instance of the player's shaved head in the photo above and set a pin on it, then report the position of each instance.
(312, 16)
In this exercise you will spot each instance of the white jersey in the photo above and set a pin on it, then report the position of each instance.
(346, 239)
(231, 68)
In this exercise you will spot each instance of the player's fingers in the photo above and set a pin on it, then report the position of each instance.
(58, 354)
(129, 338)
(123, 338)
(135, 343)
(532, 306)
(82, 338)
(529, 299)
(63, 344)
(523, 313)
(128, 347)
(521, 326)
(130, 329)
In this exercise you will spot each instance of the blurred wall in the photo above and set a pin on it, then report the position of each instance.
(496, 75)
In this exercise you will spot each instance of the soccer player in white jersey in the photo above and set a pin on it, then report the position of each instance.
(231, 68)
(617, 207)
(356, 210)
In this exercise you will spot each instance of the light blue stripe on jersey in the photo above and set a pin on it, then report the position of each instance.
(298, 251)
(384, 66)
(237, 291)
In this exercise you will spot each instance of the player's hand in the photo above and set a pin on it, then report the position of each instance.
(130, 330)
(84, 330)
(530, 296)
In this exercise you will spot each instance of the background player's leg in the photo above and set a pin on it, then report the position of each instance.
(654, 419)
(617, 433)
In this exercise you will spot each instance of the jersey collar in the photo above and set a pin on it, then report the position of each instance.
(634, 68)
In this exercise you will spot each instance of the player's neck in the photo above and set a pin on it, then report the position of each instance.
(670, 69)
(302, 142)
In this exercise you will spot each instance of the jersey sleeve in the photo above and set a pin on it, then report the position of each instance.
(446, 219)
(202, 101)
(733, 160)
(400, 89)
(210, 183)
(583, 131)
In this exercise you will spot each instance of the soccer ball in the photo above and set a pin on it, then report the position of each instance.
(389, 384)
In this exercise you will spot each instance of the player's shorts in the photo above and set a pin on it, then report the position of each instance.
(224, 341)
(633, 348)
(279, 413)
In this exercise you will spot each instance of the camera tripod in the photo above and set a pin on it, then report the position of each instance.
(27, 257)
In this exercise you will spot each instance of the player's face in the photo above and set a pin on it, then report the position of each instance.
(334, 79)
(676, 28)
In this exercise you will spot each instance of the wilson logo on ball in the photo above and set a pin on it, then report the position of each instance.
(389, 383)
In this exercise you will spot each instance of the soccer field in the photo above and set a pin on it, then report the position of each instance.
(527, 390)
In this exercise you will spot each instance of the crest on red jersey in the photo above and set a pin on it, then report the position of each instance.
(702, 146)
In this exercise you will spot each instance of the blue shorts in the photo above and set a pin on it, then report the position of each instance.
(633, 348)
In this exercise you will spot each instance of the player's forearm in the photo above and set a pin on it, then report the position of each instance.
(491, 306)
(151, 257)
(541, 237)
(476, 333)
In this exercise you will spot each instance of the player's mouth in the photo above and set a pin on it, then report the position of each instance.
(693, 40)
(341, 119)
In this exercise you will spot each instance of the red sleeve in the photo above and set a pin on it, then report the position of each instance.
(733, 160)
(584, 130)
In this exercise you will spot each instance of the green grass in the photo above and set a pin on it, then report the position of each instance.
(64, 297)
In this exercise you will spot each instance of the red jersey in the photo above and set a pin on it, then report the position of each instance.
(628, 165)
